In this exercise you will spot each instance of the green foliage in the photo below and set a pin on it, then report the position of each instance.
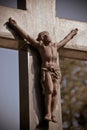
(74, 94)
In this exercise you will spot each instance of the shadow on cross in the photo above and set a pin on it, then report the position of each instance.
(43, 125)
(37, 91)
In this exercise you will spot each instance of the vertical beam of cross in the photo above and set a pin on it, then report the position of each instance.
(40, 17)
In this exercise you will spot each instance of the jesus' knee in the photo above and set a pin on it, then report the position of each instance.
(55, 92)
(49, 91)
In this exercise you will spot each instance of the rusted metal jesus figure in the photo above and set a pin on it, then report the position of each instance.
(51, 74)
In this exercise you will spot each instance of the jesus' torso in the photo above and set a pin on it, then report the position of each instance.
(49, 55)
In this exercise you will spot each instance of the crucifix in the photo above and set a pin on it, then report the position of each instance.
(51, 74)
(39, 16)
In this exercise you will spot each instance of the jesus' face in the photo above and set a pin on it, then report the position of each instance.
(45, 37)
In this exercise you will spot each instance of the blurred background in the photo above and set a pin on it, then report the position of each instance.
(74, 94)
(74, 81)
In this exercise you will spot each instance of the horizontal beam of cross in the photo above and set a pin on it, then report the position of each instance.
(73, 54)
(10, 43)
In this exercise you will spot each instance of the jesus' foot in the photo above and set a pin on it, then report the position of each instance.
(54, 119)
(47, 117)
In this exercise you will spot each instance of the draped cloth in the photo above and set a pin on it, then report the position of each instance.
(54, 72)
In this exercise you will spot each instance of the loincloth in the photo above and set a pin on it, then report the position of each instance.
(54, 72)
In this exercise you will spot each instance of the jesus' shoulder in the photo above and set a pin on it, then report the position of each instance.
(48, 51)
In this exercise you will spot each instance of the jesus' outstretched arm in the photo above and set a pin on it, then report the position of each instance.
(22, 33)
(67, 38)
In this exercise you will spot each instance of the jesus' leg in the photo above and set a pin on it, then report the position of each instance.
(48, 99)
(54, 101)
(48, 95)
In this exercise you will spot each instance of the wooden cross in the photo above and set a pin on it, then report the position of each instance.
(39, 15)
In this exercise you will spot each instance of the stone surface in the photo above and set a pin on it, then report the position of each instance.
(64, 26)
(39, 16)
